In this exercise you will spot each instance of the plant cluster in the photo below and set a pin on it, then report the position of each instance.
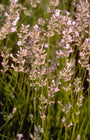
(44, 70)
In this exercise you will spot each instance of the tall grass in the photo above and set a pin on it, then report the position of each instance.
(44, 70)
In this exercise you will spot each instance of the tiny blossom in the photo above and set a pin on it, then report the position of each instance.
(63, 120)
(15, 21)
(43, 116)
(69, 22)
(35, 3)
(69, 125)
(54, 3)
(77, 33)
(57, 12)
(17, 17)
(6, 14)
(48, 10)
(77, 113)
(66, 108)
(19, 43)
(53, 81)
(46, 45)
(20, 136)
(78, 85)
(36, 27)
(14, 110)
(67, 88)
(73, 22)
(78, 137)
(68, 65)
(16, 0)
(70, 30)
(13, 0)
(31, 136)
(31, 116)
(68, 13)
(56, 89)
(79, 102)
(63, 33)
(51, 102)
(59, 53)
(12, 95)
(13, 29)
(38, 129)
(67, 46)
(12, 66)
(41, 21)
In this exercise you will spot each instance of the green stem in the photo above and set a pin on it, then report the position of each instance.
(5, 137)
(73, 133)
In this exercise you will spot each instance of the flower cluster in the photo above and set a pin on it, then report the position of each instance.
(85, 54)
(37, 131)
(12, 18)
(5, 62)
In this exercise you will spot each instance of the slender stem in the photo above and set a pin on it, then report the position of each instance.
(5, 137)
(65, 133)
(73, 133)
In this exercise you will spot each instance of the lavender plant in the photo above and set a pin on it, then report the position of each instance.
(44, 70)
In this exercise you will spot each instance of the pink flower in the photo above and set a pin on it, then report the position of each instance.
(69, 22)
(57, 12)
(20, 136)
(19, 43)
(13, 29)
